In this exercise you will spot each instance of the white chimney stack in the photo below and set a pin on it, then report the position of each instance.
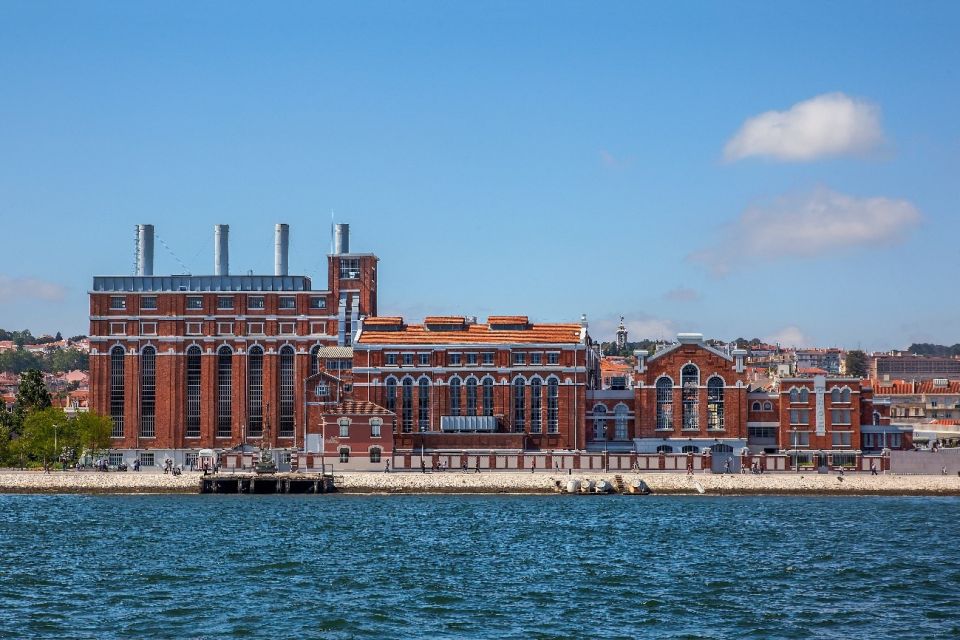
(281, 249)
(221, 249)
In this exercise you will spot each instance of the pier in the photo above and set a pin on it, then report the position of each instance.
(268, 484)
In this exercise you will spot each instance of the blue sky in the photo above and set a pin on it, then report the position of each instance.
(545, 158)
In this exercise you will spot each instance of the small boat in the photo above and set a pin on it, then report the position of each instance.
(603, 486)
(588, 486)
(699, 487)
(573, 486)
(640, 488)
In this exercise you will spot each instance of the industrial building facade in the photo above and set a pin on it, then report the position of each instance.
(185, 363)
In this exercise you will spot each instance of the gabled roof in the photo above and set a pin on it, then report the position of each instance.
(500, 330)
(687, 339)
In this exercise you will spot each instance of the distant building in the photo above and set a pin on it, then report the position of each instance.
(621, 335)
(826, 359)
(907, 366)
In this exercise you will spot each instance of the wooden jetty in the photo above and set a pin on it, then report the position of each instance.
(267, 484)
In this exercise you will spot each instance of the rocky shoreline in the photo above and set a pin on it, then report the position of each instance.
(502, 483)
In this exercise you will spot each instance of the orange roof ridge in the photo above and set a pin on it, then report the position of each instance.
(508, 320)
(445, 320)
(383, 320)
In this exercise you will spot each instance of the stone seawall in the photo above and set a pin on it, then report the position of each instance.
(504, 482)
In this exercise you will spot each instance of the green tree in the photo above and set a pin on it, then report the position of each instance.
(32, 394)
(46, 433)
(93, 432)
(68, 360)
(856, 363)
(19, 360)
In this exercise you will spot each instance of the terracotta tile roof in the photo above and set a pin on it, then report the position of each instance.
(495, 320)
(914, 387)
(608, 366)
(357, 407)
(812, 371)
(445, 320)
(385, 321)
(946, 421)
(566, 333)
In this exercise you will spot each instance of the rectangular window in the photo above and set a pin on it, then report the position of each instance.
(255, 328)
(553, 406)
(453, 359)
(194, 303)
(193, 392)
(148, 392)
(536, 358)
(840, 416)
(344, 455)
(800, 438)
(190, 459)
(553, 358)
(375, 424)
(147, 459)
(471, 358)
(799, 416)
(287, 302)
(148, 328)
(287, 328)
(286, 392)
(224, 393)
(423, 359)
(118, 303)
(841, 438)
(255, 303)
(536, 405)
(316, 302)
(344, 428)
(116, 459)
(349, 268)
(390, 359)
(408, 359)
(519, 358)
(148, 303)
(225, 328)
(224, 302)
(194, 328)
(318, 328)
(118, 328)
(488, 357)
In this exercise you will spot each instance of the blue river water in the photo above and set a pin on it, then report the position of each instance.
(479, 567)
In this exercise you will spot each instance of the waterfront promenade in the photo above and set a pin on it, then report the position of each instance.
(12, 481)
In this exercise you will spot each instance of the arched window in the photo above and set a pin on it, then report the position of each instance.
(488, 396)
(715, 403)
(835, 394)
(454, 391)
(471, 396)
(690, 381)
(553, 405)
(423, 405)
(255, 392)
(721, 448)
(599, 422)
(148, 392)
(344, 454)
(375, 454)
(194, 369)
(664, 403)
(664, 448)
(519, 404)
(804, 395)
(755, 406)
(117, 390)
(224, 392)
(536, 406)
(845, 395)
(285, 392)
(390, 394)
(690, 448)
(768, 406)
(620, 418)
(407, 406)
(794, 395)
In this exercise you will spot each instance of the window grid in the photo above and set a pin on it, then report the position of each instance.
(715, 404)
(620, 419)
(285, 390)
(193, 392)
(454, 397)
(423, 405)
(255, 393)
(148, 392)
(664, 404)
(553, 406)
(488, 397)
(471, 397)
(689, 382)
(407, 409)
(224, 392)
(536, 406)
(390, 391)
(116, 390)
(519, 400)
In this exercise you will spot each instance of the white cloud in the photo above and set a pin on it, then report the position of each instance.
(828, 125)
(789, 337)
(14, 289)
(808, 224)
(682, 294)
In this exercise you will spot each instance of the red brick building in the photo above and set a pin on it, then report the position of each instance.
(187, 362)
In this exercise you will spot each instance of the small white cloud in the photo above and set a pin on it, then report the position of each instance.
(682, 294)
(789, 337)
(806, 225)
(14, 289)
(831, 124)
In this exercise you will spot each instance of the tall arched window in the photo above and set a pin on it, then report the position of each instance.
(423, 405)
(407, 406)
(620, 419)
(690, 385)
(148, 392)
(599, 422)
(390, 391)
(224, 392)
(536, 406)
(519, 404)
(794, 395)
(117, 390)
(845, 395)
(285, 392)
(714, 403)
(454, 391)
(255, 392)
(315, 360)
(553, 405)
(194, 369)
(664, 403)
(804, 395)
(835, 394)
(488, 396)
(471, 396)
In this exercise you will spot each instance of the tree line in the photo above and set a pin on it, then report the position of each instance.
(929, 349)
(35, 432)
(20, 360)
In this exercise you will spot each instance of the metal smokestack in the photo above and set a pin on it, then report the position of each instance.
(221, 249)
(281, 249)
(341, 238)
(144, 249)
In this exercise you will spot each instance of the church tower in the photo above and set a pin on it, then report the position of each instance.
(621, 335)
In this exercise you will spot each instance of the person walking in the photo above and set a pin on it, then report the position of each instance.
(478, 464)
(533, 467)
(386, 469)
(423, 466)
(873, 468)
